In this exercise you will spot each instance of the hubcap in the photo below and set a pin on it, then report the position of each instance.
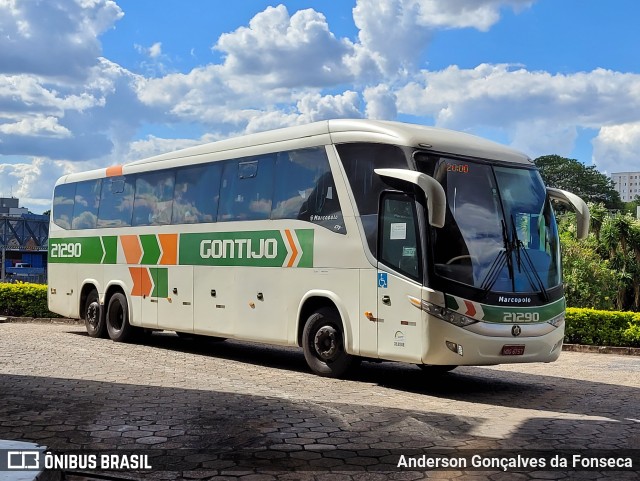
(326, 342)
(92, 314)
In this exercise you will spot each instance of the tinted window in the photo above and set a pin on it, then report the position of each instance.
(153, 202)
(246, 190)
(116, 202)
(359, 161)
(63, 205)
(196, 194)
(87, 200)
(305, 189)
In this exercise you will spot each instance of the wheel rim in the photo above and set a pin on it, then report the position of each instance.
(325, 342)
(93, 315)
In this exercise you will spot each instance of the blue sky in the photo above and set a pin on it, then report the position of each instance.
(86, 84)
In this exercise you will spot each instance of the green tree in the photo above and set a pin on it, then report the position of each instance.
(589, 280)
(574, 176)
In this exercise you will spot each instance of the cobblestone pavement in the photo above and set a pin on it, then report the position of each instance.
(240, 410)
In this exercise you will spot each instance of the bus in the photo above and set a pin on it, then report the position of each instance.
(353, 239)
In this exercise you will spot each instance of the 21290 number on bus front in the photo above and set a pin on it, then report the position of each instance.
(521, 317)
(66, 250)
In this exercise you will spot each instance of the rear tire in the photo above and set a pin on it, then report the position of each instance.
(94, 316)
(323, 344)
(117, 319)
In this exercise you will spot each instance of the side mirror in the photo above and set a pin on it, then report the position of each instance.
(577, 205)
(436, 198)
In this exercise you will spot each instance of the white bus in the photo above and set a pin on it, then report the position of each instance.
(350, 238)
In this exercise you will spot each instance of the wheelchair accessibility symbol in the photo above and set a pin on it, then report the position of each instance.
(382, 280)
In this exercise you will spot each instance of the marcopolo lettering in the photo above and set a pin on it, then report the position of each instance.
(515, 300)
(239, 248)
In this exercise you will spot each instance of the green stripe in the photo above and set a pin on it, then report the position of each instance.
(497, 313)
(160, 277)
(546, 313)
(150, 249)
(265, 248)
(451, 303)
(79, 250)
(111, 249)
(305, 239)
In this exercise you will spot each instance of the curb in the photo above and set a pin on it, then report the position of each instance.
(624, 351)
(40, 320)
(621, 351)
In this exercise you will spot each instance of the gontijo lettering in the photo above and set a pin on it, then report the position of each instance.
(240, 248)
(264, 248)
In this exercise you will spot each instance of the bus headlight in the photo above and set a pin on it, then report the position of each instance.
(443, 313)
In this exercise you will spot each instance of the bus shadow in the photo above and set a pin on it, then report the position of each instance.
(482, 385)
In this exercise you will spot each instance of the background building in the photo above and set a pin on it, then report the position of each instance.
(627, 184)
(24, 240)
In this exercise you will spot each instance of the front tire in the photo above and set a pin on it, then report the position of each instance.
(94, 316)
(323, 344)
(117, 319)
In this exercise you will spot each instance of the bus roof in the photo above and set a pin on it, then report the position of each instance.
(359, 130)
(336, 131)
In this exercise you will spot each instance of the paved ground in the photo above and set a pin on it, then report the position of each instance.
(241, 410)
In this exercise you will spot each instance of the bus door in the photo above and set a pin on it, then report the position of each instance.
(400, 329)
(175, 308)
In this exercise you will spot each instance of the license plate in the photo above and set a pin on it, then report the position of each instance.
(508, 350)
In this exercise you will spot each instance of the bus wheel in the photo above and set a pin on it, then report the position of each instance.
(323, 344)
(436, 369)
(93, 316)
(118, 319)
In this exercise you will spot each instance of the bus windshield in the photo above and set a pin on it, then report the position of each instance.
(500, 232)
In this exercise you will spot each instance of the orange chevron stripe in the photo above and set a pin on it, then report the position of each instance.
(471, 309)
(142, 283)
(132, 248)
(169, 246)
(294, 254)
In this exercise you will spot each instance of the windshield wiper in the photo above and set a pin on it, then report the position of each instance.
(518, 246)
(503, 257)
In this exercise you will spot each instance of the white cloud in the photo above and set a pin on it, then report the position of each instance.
(617, 148)
(539, 111)
(60, 100)
(311, 107)
(152, 145)
(283, 51)
(36, 126)
(314, 107)
(31, 182)
(394, 33)
(55, 38)
(155, 50)
(381, 103)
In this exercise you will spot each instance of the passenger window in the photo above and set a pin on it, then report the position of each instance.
(63, 199)
(305, 189)
(359, 160)
(116, 202)
(196, 194)
(399, 247)
(153, 203)
(246, 190)
(87, 201)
